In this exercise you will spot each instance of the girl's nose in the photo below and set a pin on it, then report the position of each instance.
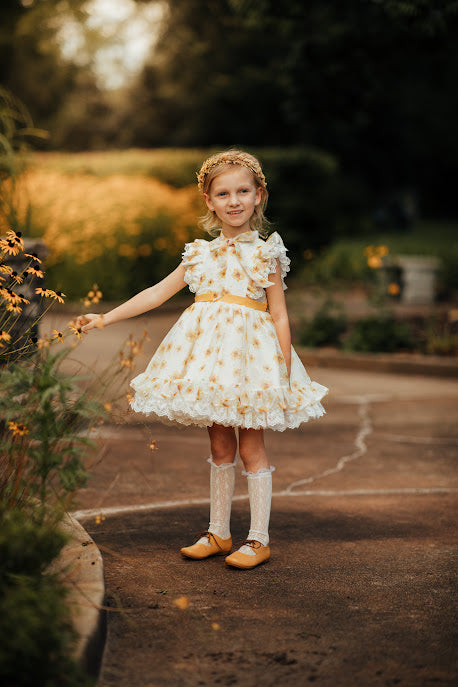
(233, 199)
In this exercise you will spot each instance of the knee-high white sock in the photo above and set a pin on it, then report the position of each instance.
(222, 480)
(260, 495)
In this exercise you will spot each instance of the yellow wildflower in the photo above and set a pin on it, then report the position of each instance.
(13, 243)
(16, 309)
(18, 429)
(76, 329)
(6, 269)
(46, 293)
(4, 336)
(33, 256)
(43, 343)
(393, 289)
(31, 269)
(12, 297)
(58, 336)
(374, 261)
(57, 295)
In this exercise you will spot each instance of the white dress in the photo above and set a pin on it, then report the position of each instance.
(222, 362)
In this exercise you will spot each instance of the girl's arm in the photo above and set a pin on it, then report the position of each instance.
(277, 308)
(145, 300)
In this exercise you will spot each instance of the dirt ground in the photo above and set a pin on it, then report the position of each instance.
(361, 586)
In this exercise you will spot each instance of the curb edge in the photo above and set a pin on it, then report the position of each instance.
(80, 567)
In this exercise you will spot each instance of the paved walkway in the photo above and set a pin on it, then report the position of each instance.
(361, 587)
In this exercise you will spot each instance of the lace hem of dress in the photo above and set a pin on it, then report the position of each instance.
(178, 401)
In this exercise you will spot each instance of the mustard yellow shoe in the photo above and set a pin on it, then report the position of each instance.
(218, 547)
(238, 559)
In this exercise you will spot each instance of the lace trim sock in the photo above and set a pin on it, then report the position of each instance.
(260, 495)
(222, 480)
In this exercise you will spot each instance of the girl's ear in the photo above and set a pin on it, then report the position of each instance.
(258, 197)
(208, 202)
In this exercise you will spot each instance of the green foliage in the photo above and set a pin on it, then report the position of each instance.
(27, 546)
(45, 456)
(380, 333)
(35, 624)
(441, 336)
(325, 328)
(344, 262)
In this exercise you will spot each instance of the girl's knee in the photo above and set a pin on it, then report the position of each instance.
(223, 444)
(252, 450)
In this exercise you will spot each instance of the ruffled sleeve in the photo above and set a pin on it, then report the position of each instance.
(192, 258)
(274, 249)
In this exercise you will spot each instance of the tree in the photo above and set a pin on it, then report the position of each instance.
(369, 80)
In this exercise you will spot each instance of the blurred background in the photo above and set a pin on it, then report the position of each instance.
(351, 106)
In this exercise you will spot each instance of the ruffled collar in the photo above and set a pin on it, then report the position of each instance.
(247, 237)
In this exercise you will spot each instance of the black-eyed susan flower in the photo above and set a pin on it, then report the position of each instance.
(6, 269)
(31, 269)
(76, 329)
(43, 343)
(18, 429)
(4, 336)
(16, 277)
(58, 336)
(8, 247)
(13, 243)
(15, 236)
(45, 293)
(14, 308)
(33, 256)
(16, 298)
(57, 295)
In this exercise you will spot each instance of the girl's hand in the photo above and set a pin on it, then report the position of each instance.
(90, 321)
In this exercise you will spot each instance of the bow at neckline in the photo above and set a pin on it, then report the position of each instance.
(247, 237)
(244, 257)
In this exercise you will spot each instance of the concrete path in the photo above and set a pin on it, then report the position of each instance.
(361, 587)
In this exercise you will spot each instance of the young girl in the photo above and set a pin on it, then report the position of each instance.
(228, 363)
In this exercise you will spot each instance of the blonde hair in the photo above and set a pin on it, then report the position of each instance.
(219, 163)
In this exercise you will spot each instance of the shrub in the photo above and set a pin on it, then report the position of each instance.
(380, 333)
(35, 623)
(325, 328)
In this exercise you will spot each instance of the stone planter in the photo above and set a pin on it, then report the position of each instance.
(419, 275)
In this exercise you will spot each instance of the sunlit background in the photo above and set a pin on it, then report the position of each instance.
(351, 107)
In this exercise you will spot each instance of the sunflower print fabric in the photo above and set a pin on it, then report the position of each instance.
(222, 362)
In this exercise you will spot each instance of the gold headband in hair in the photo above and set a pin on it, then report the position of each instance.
(231, 157)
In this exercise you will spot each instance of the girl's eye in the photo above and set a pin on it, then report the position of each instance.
(244, 190)
(222, 193)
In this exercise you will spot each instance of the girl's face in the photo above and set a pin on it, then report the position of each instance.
(233, 196)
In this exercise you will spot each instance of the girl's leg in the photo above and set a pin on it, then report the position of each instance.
(217, 539)
(259, 474)
(223, 443)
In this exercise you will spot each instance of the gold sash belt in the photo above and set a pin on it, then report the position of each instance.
(230, 298)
